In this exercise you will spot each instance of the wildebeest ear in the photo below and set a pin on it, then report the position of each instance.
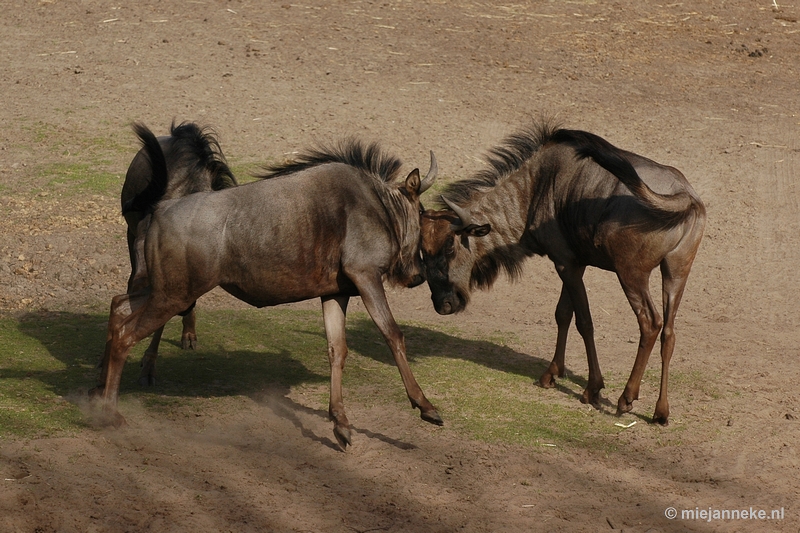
(412, 183)
(474, 230)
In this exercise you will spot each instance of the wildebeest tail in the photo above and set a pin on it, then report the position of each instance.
(668, 209)
(157, 185)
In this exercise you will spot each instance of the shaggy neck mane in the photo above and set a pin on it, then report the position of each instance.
(504, 160)
(384, 169)
(501, 195)
(351, 152)
(199, 148)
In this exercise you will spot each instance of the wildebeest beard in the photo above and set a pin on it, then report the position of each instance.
(406, 268)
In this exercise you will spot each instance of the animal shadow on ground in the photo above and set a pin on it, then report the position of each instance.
(364, 338)
(276, 398)
(266, 376)
(78, 341)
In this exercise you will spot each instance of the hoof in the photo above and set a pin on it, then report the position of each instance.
(432, 416)
(342, 435)
(547, 380)
(147, 381)
(624, 406)
(118, 420)
(189, 343)
(662, 420)
(110, 417)
(591, 398)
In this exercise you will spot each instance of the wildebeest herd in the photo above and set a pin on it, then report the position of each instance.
(340, 221)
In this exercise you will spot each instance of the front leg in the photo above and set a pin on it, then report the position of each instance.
(572, 277)
(189, 333)
(372, 294)
(564, 312)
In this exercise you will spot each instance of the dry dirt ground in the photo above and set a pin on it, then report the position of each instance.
(708, 87)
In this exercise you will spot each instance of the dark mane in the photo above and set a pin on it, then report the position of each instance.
(352, 152)
(503, 160)
(201, 147)
(508, 157)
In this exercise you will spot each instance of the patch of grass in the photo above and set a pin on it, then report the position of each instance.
(244, 170)
(483, 388)
(81, 177)
(62, 140)
(72, 162)
(34, 384)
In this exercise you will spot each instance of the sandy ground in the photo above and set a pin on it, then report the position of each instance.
(710, 89)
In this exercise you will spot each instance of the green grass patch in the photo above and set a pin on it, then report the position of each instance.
(34, 382)
(71, 162)
(70, 142)
(81, 177)
(483, 388)
(244, 170)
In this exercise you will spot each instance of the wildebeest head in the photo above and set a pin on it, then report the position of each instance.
(448, 255)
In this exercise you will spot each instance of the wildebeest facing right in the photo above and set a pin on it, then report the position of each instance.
(332, 224)
(579, 200)
(195, 163)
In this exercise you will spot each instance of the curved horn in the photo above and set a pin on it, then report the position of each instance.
(430, 177)
(463, 214)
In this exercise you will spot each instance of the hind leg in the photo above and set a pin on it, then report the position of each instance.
(147, 376)
(635, 284)
(333, 313)
(132, 318)
(673, 286)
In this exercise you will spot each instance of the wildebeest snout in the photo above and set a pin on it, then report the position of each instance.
(416, 279)
(448, 303)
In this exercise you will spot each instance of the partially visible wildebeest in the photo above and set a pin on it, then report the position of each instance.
(579, 200)
(195, 163)
(333, 224)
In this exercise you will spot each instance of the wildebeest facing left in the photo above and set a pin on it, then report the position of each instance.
(579, 200)
(195, 163)
(333, 224)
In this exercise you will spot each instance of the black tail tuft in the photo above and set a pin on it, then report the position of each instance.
(149, 197)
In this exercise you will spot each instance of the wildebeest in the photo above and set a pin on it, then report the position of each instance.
(579, 200)
(195, 163)
(335, 223)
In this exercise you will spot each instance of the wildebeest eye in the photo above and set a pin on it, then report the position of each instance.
(449, 247)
